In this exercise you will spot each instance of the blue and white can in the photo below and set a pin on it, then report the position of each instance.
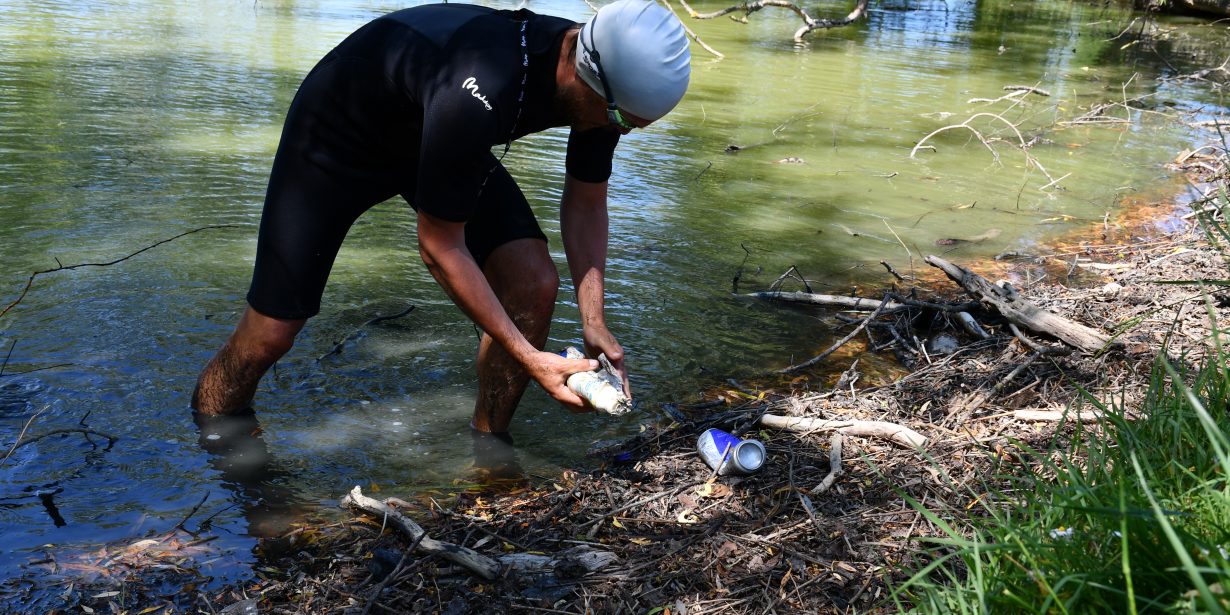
(729, 454)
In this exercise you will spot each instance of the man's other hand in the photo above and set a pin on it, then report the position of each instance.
(598, 340)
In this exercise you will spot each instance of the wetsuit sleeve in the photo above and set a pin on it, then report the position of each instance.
(455, 158)
(590, 153)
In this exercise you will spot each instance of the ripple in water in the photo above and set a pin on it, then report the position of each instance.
(16, 395)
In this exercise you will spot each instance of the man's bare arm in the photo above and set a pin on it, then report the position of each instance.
(442, 246)
(584, 223)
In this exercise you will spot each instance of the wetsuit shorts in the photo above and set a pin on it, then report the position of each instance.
(307, 214)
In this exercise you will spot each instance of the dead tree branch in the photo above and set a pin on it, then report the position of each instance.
(1021, 312)
(488, 568)
(809, 23)
(693, 35)
(20, 443)
(835, 470)
(967, 125)
(893, 432)
(337, 348)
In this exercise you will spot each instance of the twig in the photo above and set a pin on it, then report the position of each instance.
(642, 501)
(337, 348)
(792, 270)
(982, 139)
(23, 432)
(180, 525)
(809, 23)
(477, 563)
(841, 342)
(481, 565)
(835, 470)
(30, 281)
(1057, 415)
(892, 271)
(20, 443)
(7, 356)
(903, 246)
(393, 574)
(1027, 88)
(839, 301)
(37, 369)
(692, 34)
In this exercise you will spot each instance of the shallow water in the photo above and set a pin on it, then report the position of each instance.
(126, 123)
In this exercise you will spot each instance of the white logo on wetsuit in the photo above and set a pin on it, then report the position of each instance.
(472, 84)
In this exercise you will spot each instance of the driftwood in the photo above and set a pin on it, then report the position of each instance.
(1021, 312)
(893, 432)
(840, 301)
(572, 560)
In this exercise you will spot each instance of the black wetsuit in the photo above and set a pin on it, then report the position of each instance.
(412, 104)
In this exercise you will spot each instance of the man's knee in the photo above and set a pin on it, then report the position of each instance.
(265, 339)
(541, 286)
(524, 278)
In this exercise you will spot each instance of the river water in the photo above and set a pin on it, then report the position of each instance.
(123, 123)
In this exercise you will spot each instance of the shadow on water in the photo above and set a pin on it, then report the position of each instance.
(259, 485)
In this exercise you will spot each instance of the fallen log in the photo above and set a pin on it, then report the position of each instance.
(893, 432)
(1021, 312)
(572, 562)
(849, 303)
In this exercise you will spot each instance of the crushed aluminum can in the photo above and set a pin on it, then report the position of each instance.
(729, 454)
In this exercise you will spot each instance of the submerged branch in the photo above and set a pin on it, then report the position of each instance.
(30, 281)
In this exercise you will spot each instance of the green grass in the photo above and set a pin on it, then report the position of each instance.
(1126, 516)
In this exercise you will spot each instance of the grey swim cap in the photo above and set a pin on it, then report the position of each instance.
(642, 49)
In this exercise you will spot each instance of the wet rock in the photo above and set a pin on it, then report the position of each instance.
(243, 607)
(944, 343)
(382, 563)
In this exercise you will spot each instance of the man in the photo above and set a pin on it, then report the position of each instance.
(412, 104)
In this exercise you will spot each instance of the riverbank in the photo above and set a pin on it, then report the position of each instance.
(796, 536)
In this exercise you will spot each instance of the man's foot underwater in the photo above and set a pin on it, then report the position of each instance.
(495, 456)
(237, 450)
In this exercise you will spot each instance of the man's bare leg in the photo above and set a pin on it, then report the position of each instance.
(229, 380)
(524, 279)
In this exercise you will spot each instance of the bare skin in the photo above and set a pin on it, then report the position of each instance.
(228, 382)
(524, 280)
(511, 299)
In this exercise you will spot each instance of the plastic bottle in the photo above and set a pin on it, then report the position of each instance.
(728, 454)
(602, 389)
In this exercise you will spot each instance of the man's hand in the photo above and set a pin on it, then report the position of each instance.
(598, 339)
(551, 371)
